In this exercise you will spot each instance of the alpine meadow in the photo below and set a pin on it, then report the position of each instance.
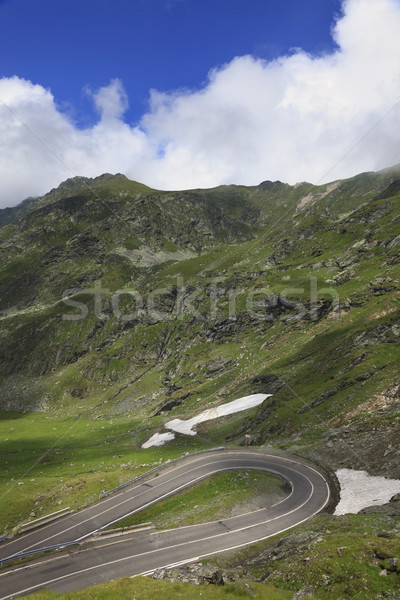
(125, 309)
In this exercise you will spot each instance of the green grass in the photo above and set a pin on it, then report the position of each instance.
(219, 496)
(340, 557)
(100, 382)
(50, 463)
(342, 565)
(142, 588)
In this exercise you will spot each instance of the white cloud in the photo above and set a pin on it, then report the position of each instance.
(111, 101)
(291, 119)
(40, 147)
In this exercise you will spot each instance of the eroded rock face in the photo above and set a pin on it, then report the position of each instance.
(305, 592)
(358, 445)
(196, 574)
(207, 295)
(392, 508)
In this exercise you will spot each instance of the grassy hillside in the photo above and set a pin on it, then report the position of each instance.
(141, 588)
(123, 307)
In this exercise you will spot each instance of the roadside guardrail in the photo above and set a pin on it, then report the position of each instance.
(169, 462)
(62, 512)
(28, 553)
(118, 532)
(45, 519)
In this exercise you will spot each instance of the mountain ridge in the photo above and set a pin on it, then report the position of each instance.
(128, 307)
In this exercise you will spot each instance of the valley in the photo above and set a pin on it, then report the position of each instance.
(124, 308)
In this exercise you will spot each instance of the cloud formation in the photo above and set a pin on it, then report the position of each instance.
(297, 118)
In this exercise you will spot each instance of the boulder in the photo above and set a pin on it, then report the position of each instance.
(305, 592)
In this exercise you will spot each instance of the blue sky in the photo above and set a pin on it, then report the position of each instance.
(69, 45)
(180, 94)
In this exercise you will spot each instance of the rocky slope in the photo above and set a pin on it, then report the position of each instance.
(139, 301)
(123, 307)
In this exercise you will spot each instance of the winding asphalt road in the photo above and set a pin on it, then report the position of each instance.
(144, 551)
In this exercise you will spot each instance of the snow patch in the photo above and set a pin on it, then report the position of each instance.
(188, 427)
(159, 439)
(359, 490)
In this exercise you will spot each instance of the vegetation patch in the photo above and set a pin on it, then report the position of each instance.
(143, 588)
(219, 496)
(49, 463)
(352, 556)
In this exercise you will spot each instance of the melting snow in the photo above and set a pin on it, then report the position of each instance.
(359, 490)
(188, 427)
(159, 439)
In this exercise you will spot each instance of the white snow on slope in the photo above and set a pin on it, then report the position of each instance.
(359, 490)
(188, 427)
(159, 439)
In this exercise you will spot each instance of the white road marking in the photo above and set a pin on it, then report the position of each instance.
(169, 468)
(187, 484)
(130, 490)
(106, 564)
(124, 502)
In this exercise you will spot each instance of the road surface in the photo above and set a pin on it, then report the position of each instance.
(140, 552)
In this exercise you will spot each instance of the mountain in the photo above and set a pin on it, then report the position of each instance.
(8, 215)
(124, 304)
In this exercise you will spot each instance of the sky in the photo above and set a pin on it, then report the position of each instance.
(181, 94)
